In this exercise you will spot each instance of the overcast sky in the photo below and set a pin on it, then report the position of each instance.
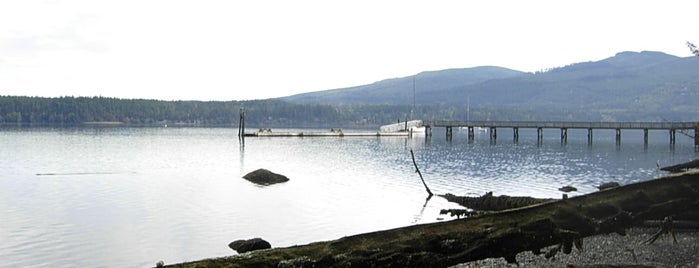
(237, 50)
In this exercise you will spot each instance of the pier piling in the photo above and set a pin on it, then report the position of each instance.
(645, 137)
(672, 136)
(564, 126)
(471, 136)
(241, 123)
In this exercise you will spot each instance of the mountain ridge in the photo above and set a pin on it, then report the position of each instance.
(651, 84)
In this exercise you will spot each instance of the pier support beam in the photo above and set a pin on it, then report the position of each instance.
(539, 135)
(493, 134)
(515, 132)
(672, 136)
(618, 136)
(564, 136)
(645, 137)
(589, 136)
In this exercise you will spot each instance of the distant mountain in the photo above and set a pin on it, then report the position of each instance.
(628, 86)
(400, 90)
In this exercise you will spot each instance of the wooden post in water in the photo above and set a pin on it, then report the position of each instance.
(589, 136)
(241, 123)
(493, 134)
(645, 137)
(449, 133)
(672, 136)
(618, 136)
(564, 136)
(470, 134)
(516, 134)
(539, 135)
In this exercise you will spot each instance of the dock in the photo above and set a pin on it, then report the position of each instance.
(331, 133)
(407, 128)
(493, 126)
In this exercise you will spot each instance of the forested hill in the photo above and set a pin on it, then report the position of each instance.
(629, 86)
(80, 110)
(67, 111)
(400, 90)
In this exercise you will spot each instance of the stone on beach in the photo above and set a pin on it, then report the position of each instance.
(242, 246)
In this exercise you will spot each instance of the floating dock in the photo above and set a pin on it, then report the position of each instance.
(331, 133)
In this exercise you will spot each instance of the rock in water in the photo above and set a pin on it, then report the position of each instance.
(568, 189)
(265, 177)
(242, 246)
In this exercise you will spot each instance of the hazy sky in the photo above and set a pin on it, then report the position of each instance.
(235, 50)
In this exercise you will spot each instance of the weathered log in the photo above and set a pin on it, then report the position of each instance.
(501, 234)
(489, 202)
(682, 167)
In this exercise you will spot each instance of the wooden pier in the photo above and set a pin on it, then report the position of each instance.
(671, 127)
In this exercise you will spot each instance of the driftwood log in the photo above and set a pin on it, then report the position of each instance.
(682, 167)
(501, 234)
(489, 202)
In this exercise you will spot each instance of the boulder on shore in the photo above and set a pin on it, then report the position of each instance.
(242, 246)
(265, 177)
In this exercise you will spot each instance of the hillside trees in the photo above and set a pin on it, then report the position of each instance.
(274, 113)
(263, 113)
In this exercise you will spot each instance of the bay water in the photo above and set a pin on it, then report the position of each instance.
(130, 197)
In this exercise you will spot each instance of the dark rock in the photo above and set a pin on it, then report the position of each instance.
(265, 177)
(242, 246)
(568, 189)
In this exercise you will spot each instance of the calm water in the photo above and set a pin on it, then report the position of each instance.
(129, 197)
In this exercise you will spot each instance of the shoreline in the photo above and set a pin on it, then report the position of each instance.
(592, 222)
(613, 250)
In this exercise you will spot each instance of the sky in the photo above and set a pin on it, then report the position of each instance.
(242, 50)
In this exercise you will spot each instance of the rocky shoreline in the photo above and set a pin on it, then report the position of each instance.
(589, 222)
(613, 250)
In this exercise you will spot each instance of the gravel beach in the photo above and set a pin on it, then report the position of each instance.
(614, 250)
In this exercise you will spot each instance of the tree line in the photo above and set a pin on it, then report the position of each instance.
(273, 113)
(66, 111)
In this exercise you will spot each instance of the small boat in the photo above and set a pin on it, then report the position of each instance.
(418, 130)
